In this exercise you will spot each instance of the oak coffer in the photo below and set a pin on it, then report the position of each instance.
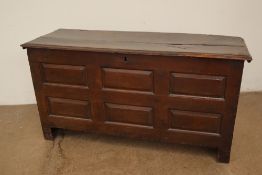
(170, 87)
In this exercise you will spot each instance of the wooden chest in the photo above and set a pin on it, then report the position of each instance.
(178, 88)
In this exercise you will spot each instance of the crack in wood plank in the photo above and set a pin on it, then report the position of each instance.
(156, 43)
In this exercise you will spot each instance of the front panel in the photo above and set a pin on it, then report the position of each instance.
(175, 99)
(195, 121)
(69, 107)
(197, 84)
(126, 79)
(65, 74)
(127, 114)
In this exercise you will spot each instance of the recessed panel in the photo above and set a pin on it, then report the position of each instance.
(129, 114)
(68, 107)
(195, 121)
(126, 79)
(65, 74)
(198, 85)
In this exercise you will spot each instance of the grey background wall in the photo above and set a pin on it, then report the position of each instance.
(21, 21)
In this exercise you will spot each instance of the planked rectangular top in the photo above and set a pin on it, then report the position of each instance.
(147, 43)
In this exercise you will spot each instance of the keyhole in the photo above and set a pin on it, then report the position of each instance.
(125, 58)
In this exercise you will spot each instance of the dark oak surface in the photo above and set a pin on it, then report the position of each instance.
(149, 43)
(140, 85)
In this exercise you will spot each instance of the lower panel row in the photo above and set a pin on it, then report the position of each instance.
(135, 116)
(136, 131)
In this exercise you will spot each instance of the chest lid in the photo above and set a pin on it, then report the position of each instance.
(147, 43)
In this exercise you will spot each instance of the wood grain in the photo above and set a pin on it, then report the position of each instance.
(148, 43)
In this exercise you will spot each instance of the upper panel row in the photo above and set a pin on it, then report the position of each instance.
(142, 81)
